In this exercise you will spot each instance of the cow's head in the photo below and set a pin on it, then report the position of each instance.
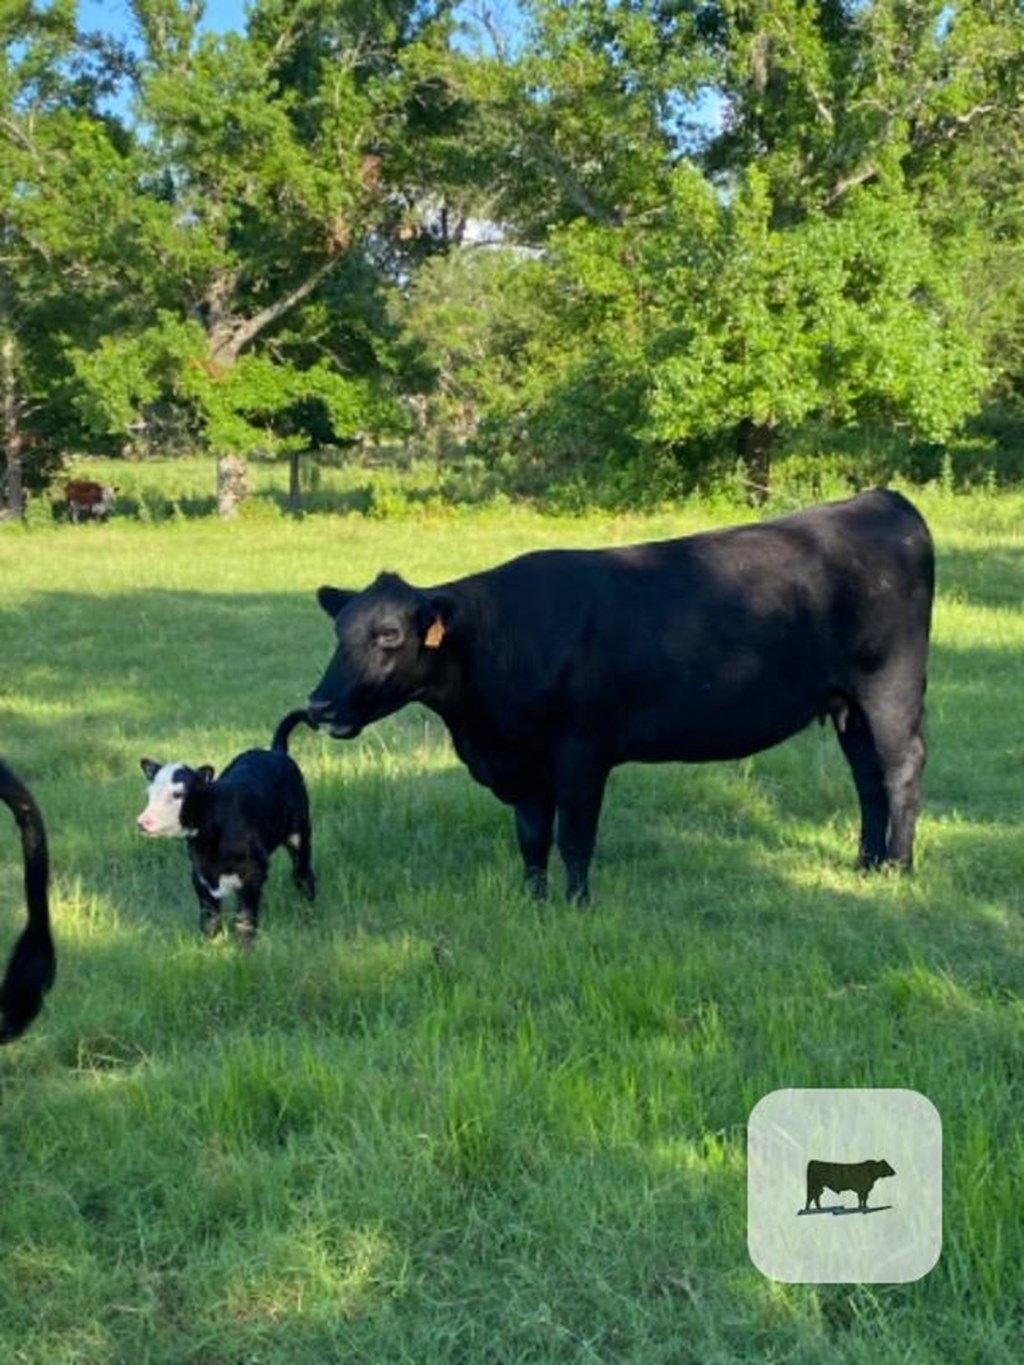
(390, 639)
(882, 1168)
(168, 786)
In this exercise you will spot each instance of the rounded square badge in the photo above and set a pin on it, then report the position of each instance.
(844, 1186)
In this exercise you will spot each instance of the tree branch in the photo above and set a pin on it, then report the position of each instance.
(850, 182)
(945, 129)
(228, 338)
(571, 187)
(18, 135)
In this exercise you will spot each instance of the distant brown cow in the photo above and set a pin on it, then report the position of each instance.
(87, 499)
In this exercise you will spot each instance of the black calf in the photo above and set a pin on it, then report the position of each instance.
(234, 823)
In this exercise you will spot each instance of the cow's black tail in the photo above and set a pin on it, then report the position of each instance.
(285, 728)
(33, 963)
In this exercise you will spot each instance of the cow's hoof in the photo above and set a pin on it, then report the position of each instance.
(536, 883)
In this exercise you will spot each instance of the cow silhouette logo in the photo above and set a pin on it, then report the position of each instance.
(869, 1160)
(839, 1176)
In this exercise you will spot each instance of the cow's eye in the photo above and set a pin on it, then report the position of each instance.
(388, 637)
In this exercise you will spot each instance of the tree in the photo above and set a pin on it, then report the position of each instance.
(273, 154)
(786, 258)
(62, 189)
(842, 112)
(845, 315)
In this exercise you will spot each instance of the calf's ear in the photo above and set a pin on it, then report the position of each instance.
(150, 767)
(333, 599)
(204, 776)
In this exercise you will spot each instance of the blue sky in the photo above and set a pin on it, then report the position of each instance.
(221, 16)
(114, 16)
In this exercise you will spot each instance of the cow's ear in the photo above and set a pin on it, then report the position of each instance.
(435, 618)
(333, 599)
(150, 767)
(204, 776)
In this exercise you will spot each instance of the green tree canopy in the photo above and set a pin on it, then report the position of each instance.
(710, 223)
(745, 215)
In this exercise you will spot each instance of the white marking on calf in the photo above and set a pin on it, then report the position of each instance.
(226, 883)
(162, 817)
(294, 840)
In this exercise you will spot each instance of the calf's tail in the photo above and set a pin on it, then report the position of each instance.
(33, 963)
(286, 726)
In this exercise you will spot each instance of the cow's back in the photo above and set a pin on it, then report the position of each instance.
(267, 790)
(709, 646)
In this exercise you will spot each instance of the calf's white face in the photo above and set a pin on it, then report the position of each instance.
(168, 783)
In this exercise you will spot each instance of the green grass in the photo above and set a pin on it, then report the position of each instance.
(426, 1120)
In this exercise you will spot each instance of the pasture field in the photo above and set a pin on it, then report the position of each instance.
(427, 1120)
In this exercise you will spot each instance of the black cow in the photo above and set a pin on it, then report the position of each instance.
(234, 824)
(554, 667)
(859, 1176)
(33, 964)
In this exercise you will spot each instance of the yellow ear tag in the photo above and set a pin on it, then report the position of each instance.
(435, 633)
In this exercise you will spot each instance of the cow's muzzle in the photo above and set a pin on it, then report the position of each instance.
(321, 715)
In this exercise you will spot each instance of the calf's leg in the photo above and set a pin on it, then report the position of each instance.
(209, 907)
(300, 849)
(247, 911)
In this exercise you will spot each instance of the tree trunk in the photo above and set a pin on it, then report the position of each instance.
(232, 484)
(754, 441)
(10, 426)
(294, 492)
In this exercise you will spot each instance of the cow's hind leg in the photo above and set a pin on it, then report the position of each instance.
(858, 745)
(535, 830)
(903, 764)
(886, 754)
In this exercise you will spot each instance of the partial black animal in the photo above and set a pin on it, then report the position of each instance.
(859, 1176)
(33, 963)
(234, 823)
(554, 667)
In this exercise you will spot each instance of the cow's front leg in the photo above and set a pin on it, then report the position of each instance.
(247, 911)
(209, 907)
(581, 775)
(535, 828)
